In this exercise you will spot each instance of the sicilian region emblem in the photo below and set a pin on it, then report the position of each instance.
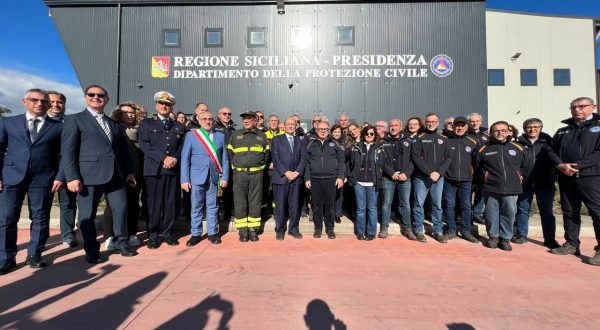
(468, 149)
(595, 129)
(160, 66)
(440, 141)
(405, 144)
(484, 138)
(441, 65)
(331, 144)
(512, 152)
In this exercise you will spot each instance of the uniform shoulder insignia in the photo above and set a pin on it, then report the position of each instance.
(472, 139)
(419, 136)
(443, 136)
(482, 148)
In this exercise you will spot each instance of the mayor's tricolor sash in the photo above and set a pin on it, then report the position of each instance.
(210, 147)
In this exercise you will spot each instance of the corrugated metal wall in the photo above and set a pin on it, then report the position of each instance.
(454, 29)
(90, 38)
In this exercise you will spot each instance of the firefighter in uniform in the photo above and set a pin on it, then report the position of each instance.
(248, 154)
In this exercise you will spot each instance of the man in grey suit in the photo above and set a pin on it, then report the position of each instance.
(96, 161)
(204, 169)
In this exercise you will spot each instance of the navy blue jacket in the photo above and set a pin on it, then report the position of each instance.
(324, 159)
(19, 156)
(430, 153)
(158, 140)
(462, 149)
(87, 153)
(581, 141)
(284, 159)
(540, 172)
(500, 167)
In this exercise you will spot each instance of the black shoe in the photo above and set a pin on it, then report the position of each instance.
(551, 244)
(96, 260)
(7, 266)
(360, 237)
(71, 243)
(279, 236)
(35, 262)
(470, 238)
(440, 238)
(519, 239)
(567, 248)
(408, 233)
(369, 237)
(244, 235)
(317, 233)
(421, 237)
(478, 219)
(171, 241)
(504, 245)
(193, 240)
(330, 234)
(338, 220)
(296, 235)
(450, 235)
(126, 251)
(214, 239)
(154, 242)
(595, 260)
(491, 243)
(253, 236)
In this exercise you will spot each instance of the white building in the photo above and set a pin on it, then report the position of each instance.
(537, 65)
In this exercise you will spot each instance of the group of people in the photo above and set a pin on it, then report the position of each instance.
(459, 175)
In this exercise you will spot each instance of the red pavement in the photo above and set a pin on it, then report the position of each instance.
(383, 284)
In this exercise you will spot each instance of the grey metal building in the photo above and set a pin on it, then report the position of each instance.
(371, 60)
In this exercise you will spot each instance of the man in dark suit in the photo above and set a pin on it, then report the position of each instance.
(96, 161)
(161, 141)
(67, 199)
(288, 168)
(29, 152)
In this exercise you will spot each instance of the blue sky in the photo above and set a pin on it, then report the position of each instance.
(32, 51)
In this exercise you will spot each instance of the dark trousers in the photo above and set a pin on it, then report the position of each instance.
(287, 200)
(574, 191)
(162, 201)
(247, 196)
(11, 201)
(322, 192)
(67, 201)
(452, 189)
(88, 201)
(133, 212)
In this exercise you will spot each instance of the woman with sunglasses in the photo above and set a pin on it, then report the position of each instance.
(366, 165)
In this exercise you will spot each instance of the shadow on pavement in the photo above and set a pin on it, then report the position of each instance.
(460, 326)
(197, 317)
(73, 271)
(319, 316)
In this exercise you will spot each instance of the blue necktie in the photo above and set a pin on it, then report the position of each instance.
(291, 141)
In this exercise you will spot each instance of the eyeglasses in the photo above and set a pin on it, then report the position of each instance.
(259, 116)
(369, 134)
(323, 129)
(92, 95)
(579, 107)
(207, 119)
(128, 113)
(500, 131)
(34, 100)
(226, 113)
